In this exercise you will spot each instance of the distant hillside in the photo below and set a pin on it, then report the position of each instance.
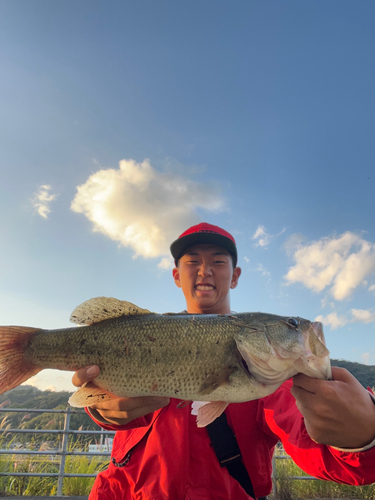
(364, 373)
(29, 397)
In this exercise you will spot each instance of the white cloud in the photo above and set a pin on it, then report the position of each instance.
(324, 302)
(357, 316)
(33, 381)
(366, 357)
(371, 288)
(293, 242)
(262, 236)
(42, 199)
(166, 263)
(263, 270)
(362, 316)
(261, 231)
(142, 208)
(333, 320)
(247, 260)
(341, 262)
(52, 380)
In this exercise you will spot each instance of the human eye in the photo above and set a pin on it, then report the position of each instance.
(220, 260)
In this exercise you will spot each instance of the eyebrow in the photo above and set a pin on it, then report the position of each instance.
(214, 254)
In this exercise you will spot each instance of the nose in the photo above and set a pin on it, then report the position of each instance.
(205, 270)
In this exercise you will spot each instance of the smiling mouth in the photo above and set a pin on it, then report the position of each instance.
(204, 288)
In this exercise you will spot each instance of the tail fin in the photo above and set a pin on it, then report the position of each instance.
(14, 368)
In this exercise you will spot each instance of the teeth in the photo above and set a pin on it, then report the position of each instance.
(204, 287)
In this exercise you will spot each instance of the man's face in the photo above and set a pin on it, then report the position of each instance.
(205, 274)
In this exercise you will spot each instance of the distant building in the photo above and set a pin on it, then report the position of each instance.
(105, 446)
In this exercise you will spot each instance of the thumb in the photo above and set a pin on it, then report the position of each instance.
(84, 375)
(341, 374)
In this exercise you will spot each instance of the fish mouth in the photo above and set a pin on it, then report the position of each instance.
(317, 326)
(246, 368)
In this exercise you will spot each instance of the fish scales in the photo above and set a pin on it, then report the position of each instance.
(144, 355)
(213, 358)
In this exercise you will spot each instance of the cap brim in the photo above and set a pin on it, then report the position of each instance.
(179, 246)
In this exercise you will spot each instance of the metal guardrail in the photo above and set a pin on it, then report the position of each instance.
(275, 476)
(63, 452)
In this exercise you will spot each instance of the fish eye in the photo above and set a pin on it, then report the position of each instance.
(293, 322)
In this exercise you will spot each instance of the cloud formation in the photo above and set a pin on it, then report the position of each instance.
(263, 270)
(263, 237)
(166, 263)
(42, 199)
(333, 320)
(366, 357)
(142, 208)
(362, 316)
(357, 316)
(339, 262)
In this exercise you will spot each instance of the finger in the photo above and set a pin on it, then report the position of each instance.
(305, 401)
(306, 383)
(300, 394)
(341, 374)
(84, 375)
(124, 417)
(129, 404)
(312, 385)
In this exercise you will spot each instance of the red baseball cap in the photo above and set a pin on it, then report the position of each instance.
(204, 233)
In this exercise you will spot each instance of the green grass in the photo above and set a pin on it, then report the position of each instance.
(46, 486)
(81, 486)
(289, 489)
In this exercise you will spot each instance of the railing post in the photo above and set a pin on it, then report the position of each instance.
(64, 449)
(274, 475)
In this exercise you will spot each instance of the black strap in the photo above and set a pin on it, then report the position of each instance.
(228, 452)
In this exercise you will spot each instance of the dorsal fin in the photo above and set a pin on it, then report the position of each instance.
(101, 308)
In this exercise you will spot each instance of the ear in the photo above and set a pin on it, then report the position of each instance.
(235, 276)
(176, 276)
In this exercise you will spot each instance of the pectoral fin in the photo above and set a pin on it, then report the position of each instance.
(217, 379)
(88, 395)
(101, 308)
(207, 412)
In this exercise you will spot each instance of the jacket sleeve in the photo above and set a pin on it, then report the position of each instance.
(279, 415)
(101, 422)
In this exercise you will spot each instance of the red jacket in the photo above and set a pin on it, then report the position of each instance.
(165, 456)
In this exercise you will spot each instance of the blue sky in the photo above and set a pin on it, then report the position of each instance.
(123, 123)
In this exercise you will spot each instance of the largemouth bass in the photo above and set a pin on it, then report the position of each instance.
(217, 359)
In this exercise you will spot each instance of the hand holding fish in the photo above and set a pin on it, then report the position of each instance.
(337, 412)
(119, 411)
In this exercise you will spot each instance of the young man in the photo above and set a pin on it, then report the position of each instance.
(328, 427)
